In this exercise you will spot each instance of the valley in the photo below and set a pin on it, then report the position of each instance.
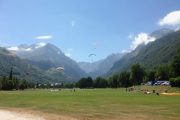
(89, 60)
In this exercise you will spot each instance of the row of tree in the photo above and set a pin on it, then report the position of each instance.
(11, 83)
(136, 76)
(123, 79)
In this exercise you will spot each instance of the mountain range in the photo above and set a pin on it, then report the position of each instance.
(48, 57)
(22, 69)
(161, 51)
(44, 62)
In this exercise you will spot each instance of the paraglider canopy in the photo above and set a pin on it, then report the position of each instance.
(91, 56)
(60, 68)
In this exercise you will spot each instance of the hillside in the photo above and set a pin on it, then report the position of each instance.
(151, 55)
(48, 56)
(23, 70)
(100, 67)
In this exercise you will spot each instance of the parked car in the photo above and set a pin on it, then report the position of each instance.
(148, 83)
(166, 83)
(162, 83)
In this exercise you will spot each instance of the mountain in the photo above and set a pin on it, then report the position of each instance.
(23, 70)
(100, 67)
(161, 32)
(48, 56)
(161, 51)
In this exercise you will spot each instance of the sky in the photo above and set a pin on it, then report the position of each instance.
(83, 27)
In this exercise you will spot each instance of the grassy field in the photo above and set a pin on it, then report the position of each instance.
(95, 104)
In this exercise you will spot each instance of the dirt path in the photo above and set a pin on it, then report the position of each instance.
(18, 114)
(9, 115)
(22, 114)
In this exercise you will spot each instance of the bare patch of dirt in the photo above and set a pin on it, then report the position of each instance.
(23, 114)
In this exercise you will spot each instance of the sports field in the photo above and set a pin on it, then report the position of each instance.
(93, 104)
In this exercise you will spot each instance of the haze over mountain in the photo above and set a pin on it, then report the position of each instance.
(100, 67)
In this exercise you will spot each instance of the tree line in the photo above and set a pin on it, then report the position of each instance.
(12, 83)
(136, 76)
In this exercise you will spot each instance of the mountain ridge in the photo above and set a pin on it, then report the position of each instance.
(47, 56)
(151, 55)
(100, 67)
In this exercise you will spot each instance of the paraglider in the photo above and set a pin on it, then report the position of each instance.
(60, 68)
(91, 56)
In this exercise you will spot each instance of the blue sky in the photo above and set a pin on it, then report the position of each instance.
(82, 27)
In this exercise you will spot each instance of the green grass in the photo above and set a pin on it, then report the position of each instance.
(95, 103)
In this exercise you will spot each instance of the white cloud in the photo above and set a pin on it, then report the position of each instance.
(44, 37)
(73, 23)
(68, 54)
(172, 18)
(125, 51)
(28, 49)
(141, 38)
(15, 48)
(41, 44)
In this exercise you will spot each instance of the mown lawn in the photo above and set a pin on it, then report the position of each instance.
(100, 104)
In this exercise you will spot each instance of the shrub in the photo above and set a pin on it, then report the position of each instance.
(175, 82)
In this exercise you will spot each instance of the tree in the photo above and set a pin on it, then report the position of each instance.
(85, 82)
(0, 83)
(175, 82)
(151, 76)
(4, 83)
(7, 84)
(163, 72)
(23, 85)
(15, 83)
(124, 79)
(11, 74)
(175, 65)
(69, 85)
(113, 81)
(100, 82)
(137, 74)
(89, 82)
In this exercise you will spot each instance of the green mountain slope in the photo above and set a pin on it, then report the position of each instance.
(49, 56)
(158, 52)
(23, 70)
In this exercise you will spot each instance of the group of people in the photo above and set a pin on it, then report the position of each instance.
(145, 91)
